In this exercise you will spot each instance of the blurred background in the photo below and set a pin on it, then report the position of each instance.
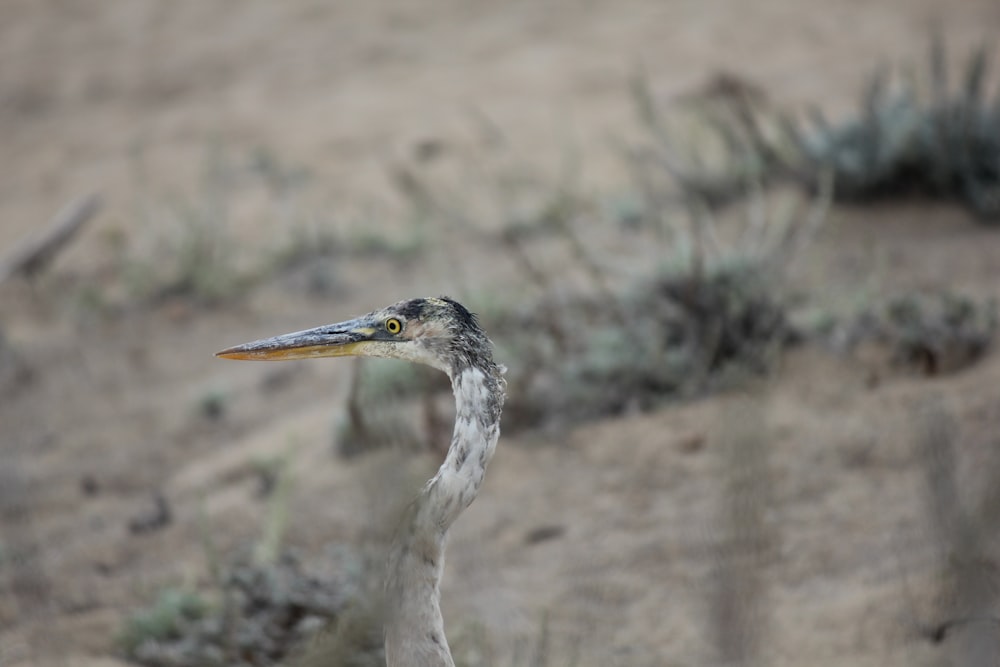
(740, 259)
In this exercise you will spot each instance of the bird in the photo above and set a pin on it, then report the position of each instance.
(441, 333)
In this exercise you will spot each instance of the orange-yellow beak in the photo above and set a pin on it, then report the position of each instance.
(345, 339)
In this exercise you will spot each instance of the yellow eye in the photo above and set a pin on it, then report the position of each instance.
(393, 326)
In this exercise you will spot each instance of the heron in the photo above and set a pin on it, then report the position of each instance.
(441, 333)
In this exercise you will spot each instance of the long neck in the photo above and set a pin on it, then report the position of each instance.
(414, 634)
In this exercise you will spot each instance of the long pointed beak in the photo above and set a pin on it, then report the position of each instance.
(333, 340)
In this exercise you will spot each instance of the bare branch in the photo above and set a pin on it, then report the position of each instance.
(31, 256)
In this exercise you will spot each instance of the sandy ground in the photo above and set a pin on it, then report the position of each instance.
(128, 99)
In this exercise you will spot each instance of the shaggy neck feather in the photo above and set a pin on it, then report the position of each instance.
(414, 629)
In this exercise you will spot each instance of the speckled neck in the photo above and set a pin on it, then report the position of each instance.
(415, 628)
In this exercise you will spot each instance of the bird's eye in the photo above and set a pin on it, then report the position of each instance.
(393, 326)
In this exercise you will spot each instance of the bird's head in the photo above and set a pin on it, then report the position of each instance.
(438, 332)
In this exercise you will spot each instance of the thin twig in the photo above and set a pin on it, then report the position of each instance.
(32, 255)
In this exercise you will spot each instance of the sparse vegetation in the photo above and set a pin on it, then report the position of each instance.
(667, 288)
(913, 136)
(259, 617)
(930, 333)
(675, 336)
(182, 246)
(166, 620)
(712, 149)
(707, 313)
